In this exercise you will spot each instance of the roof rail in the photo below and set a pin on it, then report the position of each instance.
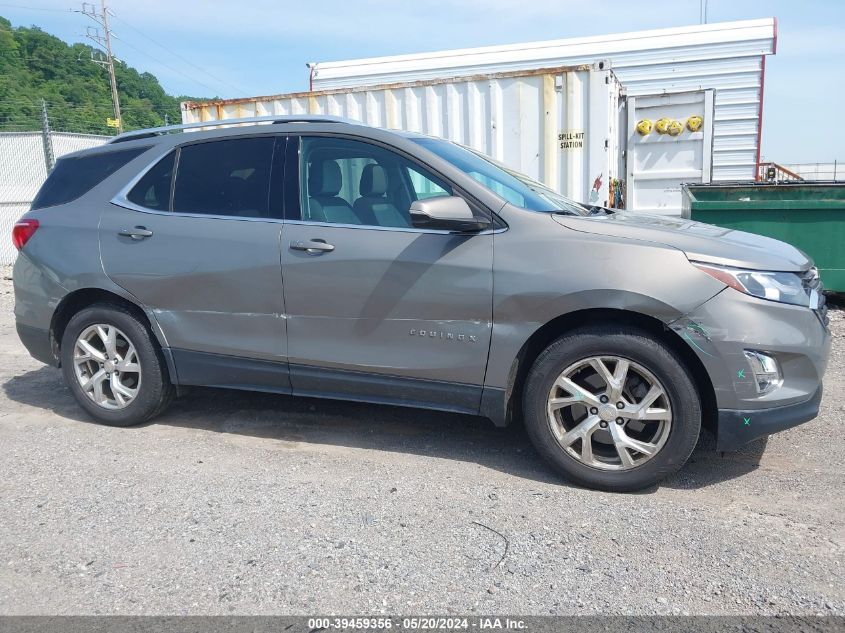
(170, 129)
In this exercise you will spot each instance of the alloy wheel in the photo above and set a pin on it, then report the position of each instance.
(107, 366)
(609, 413)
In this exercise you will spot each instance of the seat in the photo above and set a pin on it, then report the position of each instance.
(241, 198)
(324, 183)
(373, 206)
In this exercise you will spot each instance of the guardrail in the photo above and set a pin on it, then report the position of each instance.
(773, 172)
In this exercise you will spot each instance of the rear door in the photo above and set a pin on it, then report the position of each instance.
(196, 239)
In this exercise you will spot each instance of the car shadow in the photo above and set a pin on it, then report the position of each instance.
(376, 427)
(707, 467)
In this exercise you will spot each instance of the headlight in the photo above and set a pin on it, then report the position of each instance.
(782, 287)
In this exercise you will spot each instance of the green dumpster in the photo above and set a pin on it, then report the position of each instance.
(810, 216)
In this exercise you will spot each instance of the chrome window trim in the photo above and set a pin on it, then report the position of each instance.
(131, 206)
(120, 199)
(395, 229)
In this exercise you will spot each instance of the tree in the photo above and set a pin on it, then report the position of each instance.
(35, 65)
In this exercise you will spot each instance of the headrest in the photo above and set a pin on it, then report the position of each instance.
(373, 180)
(324, 179)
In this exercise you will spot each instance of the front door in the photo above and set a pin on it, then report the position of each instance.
(204, 257)
(376, 308)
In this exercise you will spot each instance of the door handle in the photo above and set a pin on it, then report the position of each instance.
(138, 233)
(315, 247)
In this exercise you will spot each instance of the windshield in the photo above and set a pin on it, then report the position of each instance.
(514, 187)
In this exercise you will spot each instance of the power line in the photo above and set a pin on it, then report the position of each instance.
(166, 65)
(74, 115)
(36, 101)
(177, 55)
(20, 6)
(101, 41)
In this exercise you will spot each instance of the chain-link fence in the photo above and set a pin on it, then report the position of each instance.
(25, 158)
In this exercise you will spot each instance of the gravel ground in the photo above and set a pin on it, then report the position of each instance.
(235, 503)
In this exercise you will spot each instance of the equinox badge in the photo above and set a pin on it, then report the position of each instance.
(446, 336)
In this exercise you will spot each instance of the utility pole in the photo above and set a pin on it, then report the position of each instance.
(703, 11)
(46, 139)
(104, 41)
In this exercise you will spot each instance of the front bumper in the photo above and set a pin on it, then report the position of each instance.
(719, 332)
(736, 428)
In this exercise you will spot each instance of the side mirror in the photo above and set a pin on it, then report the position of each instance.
(445, 213)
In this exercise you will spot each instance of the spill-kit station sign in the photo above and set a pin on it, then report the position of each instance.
(571, 139)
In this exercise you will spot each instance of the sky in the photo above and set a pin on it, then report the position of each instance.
(237, 49)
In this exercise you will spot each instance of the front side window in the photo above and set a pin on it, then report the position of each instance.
(516, 188)
(229, 177)
(344, 181)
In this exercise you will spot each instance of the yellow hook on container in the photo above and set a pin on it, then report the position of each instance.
(662, 125)
(694, 123)
(675, 128)
(644, 126)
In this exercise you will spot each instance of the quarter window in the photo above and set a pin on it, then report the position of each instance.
(343, 181)
(153, 190)
(229, 177)
(74, 176)
(424, 187)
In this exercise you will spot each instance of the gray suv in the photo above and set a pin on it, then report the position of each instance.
(316, 257)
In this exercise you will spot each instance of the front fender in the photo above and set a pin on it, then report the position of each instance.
(543, 270)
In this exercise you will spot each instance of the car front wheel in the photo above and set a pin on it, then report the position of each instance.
(612, 408)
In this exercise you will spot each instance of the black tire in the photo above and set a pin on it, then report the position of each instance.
(636, 345)
(155, 392)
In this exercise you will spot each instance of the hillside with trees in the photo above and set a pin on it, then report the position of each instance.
(35, 65)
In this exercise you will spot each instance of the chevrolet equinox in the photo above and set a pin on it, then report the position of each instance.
(313, 256)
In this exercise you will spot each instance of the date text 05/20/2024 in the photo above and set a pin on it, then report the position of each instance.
(416, 623)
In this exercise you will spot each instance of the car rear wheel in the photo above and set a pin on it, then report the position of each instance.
(114, 367)
(612, 408)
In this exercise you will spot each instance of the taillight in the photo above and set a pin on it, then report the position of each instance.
(22, 231)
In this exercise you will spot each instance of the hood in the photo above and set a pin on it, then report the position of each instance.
(700, 242)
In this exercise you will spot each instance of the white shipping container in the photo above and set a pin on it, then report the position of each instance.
(728, 58)
(541, 108)
(557, 125)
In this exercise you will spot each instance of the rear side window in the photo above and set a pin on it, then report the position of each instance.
(153, 190)
(72, 177)
(225, 177)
